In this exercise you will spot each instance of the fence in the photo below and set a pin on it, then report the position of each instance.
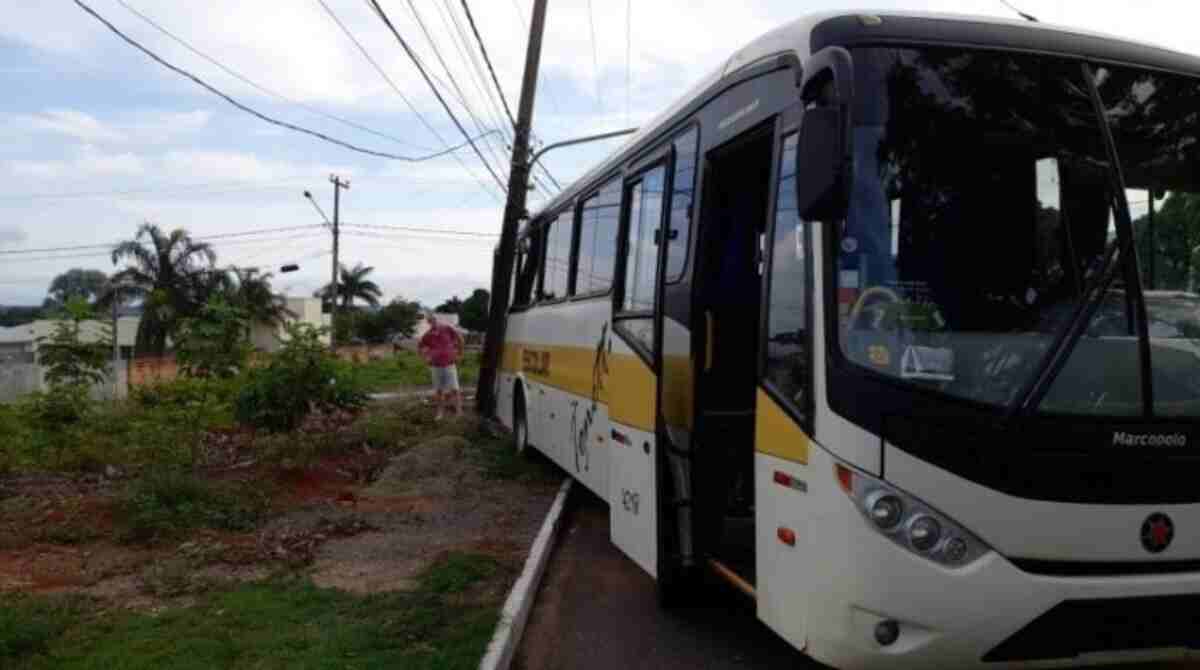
(19, 379)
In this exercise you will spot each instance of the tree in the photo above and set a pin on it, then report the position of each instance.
(69, 361)
(89, 285)
(214, 342)
(252, 293)
(396, 319)
(451, 306)
(353, 285)
(167, 271)
(1176, 246)
(474, 312)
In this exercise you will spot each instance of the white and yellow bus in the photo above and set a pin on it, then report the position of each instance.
(861, 324)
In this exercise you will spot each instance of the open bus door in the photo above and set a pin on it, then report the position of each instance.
(635, 363)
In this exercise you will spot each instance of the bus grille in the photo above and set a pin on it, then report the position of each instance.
(1076, 627)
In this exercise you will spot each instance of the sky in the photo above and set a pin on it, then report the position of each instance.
(96, 138)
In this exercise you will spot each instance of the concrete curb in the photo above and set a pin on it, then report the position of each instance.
(515, 614)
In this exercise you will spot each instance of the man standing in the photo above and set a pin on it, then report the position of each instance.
(441, 346)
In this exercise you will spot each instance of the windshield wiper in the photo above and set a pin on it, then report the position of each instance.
(1064, 343)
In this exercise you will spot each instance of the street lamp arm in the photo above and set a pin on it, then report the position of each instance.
(578, 140)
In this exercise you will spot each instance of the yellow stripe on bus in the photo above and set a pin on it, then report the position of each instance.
(622, 381)
(776, 433)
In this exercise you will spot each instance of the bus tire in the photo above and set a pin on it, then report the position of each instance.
(520, 423)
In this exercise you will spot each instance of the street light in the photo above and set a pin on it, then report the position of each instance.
(309, 195)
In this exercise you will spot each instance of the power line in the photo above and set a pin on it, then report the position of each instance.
(595, 56)
(437, 53)
(487, 59)
(412, 56)
(253, 112)
(384, 75)
(446, 231)
(246, 80)
(480, 80)
(628, 43)
(218, 236)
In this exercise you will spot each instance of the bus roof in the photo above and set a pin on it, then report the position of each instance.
(820, 29)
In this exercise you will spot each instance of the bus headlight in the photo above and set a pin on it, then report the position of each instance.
(909, 522)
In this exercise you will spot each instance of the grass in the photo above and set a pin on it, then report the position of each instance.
(280, 623)
(166, 503)
(407, 370)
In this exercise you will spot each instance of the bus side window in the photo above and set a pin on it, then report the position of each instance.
(528, 269)
(558, 256)
(598, 223)
(679, 219)
(787, 334)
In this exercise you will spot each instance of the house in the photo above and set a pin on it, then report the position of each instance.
(20, 343)
(269, 338)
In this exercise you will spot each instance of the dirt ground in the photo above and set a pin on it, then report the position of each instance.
(362, 520)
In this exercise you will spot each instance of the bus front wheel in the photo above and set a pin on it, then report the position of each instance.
(520, 423)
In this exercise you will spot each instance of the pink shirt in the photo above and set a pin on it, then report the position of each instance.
(441, 345)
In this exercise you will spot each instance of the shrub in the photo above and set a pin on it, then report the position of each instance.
(68, 360)
(214, 342)
(299, 378)
(166, 502)
(55, 418)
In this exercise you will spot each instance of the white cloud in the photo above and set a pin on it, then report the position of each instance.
(72, 123)
(134, 127)
(90, 162)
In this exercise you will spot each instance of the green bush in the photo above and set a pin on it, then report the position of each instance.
(213, 343)
(185, 391)
(165, 502)
(29, 626)
(301, 377)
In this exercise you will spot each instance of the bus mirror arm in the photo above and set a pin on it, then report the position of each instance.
(823, 151)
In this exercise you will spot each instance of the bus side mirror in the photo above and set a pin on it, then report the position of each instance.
(823, 160)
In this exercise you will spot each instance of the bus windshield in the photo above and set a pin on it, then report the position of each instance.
(981, 216)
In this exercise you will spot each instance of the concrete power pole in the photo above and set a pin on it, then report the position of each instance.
(514, 211)
(338, 185)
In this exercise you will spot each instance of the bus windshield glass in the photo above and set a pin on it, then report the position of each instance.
(982, 213)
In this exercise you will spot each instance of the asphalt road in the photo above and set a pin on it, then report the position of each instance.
(597, 610)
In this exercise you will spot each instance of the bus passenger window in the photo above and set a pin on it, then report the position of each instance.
(641, 252)
(558, 257)
(598, 222)
(787, 346)
(679, 219)
(528, 264)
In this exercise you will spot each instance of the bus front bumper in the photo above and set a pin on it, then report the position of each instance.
(987, 614)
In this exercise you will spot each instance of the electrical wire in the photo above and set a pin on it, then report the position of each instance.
(468, 233)
(496, 108)
(218, 236)
(273, 93)
(487, 59)
(253, 112)
(595, 56)
(420, 117)
(454, 85)
(628, 49)
(412, 56)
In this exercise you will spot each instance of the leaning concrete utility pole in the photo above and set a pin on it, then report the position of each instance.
(514, 211)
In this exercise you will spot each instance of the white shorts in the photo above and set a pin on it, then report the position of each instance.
(445, 379)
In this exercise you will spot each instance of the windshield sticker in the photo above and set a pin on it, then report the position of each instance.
(927, 363)
(850, 244)
(849, 279)
(879, 355)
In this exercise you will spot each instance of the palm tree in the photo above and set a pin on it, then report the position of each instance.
(167, 271)
(252, 293)
(353, 285)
